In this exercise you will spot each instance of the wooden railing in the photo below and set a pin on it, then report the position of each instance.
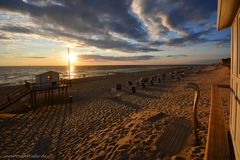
(50, 85)
(13, 97)
(26, 89)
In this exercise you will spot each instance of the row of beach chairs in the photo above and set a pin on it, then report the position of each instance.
(142, 82)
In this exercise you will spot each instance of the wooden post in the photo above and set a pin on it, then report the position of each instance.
(31, 99)
(51, 97)
(48, 96)
(35, 103)
(45, 96)
(69, 65)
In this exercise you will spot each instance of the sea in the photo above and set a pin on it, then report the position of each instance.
(15, 75)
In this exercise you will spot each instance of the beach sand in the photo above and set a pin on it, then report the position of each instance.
(153, 123)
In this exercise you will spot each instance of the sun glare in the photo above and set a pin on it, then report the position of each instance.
(72, 57)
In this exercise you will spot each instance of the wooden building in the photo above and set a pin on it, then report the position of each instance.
(47, 79)
(229, 16)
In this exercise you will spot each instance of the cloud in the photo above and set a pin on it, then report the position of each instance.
(177, 56)
(16, 29)
(125, 25)
(35, 57)
(10, 53)
(172, 15)
(222, 43)
(205, 61)
(112, 58)
(120, 45)
(2, 37)
(194, 38)
(95, 19)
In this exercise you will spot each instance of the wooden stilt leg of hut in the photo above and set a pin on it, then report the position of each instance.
(51, 97)
(35, 100)
(45, 96)
(31, 99)
(48, 97)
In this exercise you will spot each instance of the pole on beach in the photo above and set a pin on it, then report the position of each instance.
(69, 69)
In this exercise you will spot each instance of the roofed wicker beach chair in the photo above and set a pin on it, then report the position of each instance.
(151, 81)
(131, 86)
(159, 79)
(142, 83)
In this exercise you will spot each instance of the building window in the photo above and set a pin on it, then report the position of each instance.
(49, 77)
(235, 60)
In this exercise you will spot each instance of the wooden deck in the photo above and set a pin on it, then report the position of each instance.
(217, 139)
(31, 89)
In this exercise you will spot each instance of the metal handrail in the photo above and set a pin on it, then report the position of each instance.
(231, 90)
(195, 87)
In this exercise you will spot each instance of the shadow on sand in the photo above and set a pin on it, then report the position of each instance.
(174, 137)
(156, 117)
(126, 103)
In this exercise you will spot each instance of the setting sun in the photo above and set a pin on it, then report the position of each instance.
(72, 57)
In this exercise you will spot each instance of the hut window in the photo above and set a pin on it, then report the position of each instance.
(49, 77)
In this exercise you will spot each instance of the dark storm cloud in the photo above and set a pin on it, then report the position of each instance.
(114, 24)
(112, 58)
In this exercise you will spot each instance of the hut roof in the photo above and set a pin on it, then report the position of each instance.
(227, 10)
(49, 72)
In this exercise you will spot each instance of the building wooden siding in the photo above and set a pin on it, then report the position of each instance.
(235, 85)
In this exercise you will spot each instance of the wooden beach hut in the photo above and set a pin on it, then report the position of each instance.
(47, 79)
(217, 148)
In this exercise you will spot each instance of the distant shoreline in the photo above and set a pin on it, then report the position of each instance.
(115, 65)
(11, 76)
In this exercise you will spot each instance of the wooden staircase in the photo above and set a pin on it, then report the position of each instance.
(13, 97)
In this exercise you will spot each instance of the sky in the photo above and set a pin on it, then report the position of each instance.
(110, 32)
